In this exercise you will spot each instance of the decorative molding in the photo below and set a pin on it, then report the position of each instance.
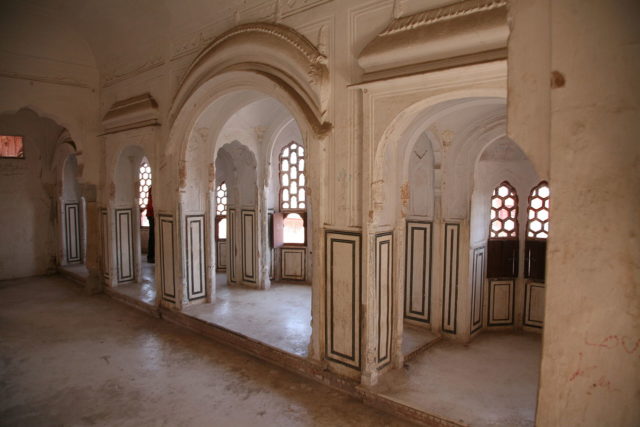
(64, 81)
(342, 335)
(450, 283)
(469, 32)
(112, 77)
(131, 113)
(430, 17)
(293, 7)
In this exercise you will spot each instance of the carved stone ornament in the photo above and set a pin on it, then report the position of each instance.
(131, 113)
(463, 33)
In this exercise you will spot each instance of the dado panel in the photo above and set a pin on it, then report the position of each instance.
(167, 263)
(221, 255)
(450, 285)
(417, 293)
(534, 304)
(477, 281)
(195, 257)
(249, 250)
(343, 299)
(501, 302)
(293, 262)
(124, 245)
(72, 232)
(104, 238)
(384, 286)
(231, 246)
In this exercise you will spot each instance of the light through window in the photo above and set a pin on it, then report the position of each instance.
(538, 215)
(221, 210)
(144, 180)
(293, 228)
(293, 192)
(504, 212)
(11, 147)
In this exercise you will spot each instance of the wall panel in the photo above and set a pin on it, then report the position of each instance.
(195, 257)
(124, 245)
(221, 255)
(343, 298)
(477, 286)
(167, 259)
(450, 285)
(384, 286)
(231, 246)
(501, 294)
(104, 240)
(417, 293)
(293, 263)
(72, 232)
(249, 250)
(534, 299)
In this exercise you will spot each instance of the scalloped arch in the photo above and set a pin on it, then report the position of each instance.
(277, 52)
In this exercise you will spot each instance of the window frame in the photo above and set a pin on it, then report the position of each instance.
(516, 207)
(24, 151)
(219, 217)
(143, 162)
(281, 173)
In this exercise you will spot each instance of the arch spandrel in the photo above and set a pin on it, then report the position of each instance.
(286, 58)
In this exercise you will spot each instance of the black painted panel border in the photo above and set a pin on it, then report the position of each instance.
(384, 239)
(354, 239)
(167, 296)
(528, 321)
(450, 286)
(72, 210)
(243, 214)
(128, 213)
(493, 284)
(424, 315)
(299, 251)
(477, 288)
(194, 294)
(231, 250)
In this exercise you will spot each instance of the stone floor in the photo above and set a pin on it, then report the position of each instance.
(415, 338)
(493, 381)
(67, 358)
(143, 291)
(279, 317)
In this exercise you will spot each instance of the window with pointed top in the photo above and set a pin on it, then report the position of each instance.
(502, 248)
(535, 248)
(221, 211)
(144, 187)
(293, 193)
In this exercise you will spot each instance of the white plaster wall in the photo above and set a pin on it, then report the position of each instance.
(28, 198)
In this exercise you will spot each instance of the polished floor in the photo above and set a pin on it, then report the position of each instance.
(67, 358)
(493, 381)
(279, 317)
(144, 290)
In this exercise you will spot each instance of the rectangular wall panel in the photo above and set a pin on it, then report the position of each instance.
(104, 237)
(124, 245)
(195, 257)
(167, 259)
(450, 285)
(72, 232)
(249, 250)
(221, 255)
(343, 299)
(293, 262)
(501, 293)
(477, 282)
(417, 285)
(534, 304)
(384, 286)
(231, 245)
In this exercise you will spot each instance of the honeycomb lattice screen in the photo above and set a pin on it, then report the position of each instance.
(538, 215)
(504, 212)
(293, 193)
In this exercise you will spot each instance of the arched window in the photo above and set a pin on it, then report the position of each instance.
(504, 212)
(538, 212)
(535, 247)
(293, 193)
(221, 211)
(502, 248)
(144, 186)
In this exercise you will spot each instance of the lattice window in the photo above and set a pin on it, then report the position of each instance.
(221, 211)
(538, 215)
(11, 147)
(293, 192)
(504, 212)
(144, 187)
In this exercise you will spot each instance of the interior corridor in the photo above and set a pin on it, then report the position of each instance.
(71, 359)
